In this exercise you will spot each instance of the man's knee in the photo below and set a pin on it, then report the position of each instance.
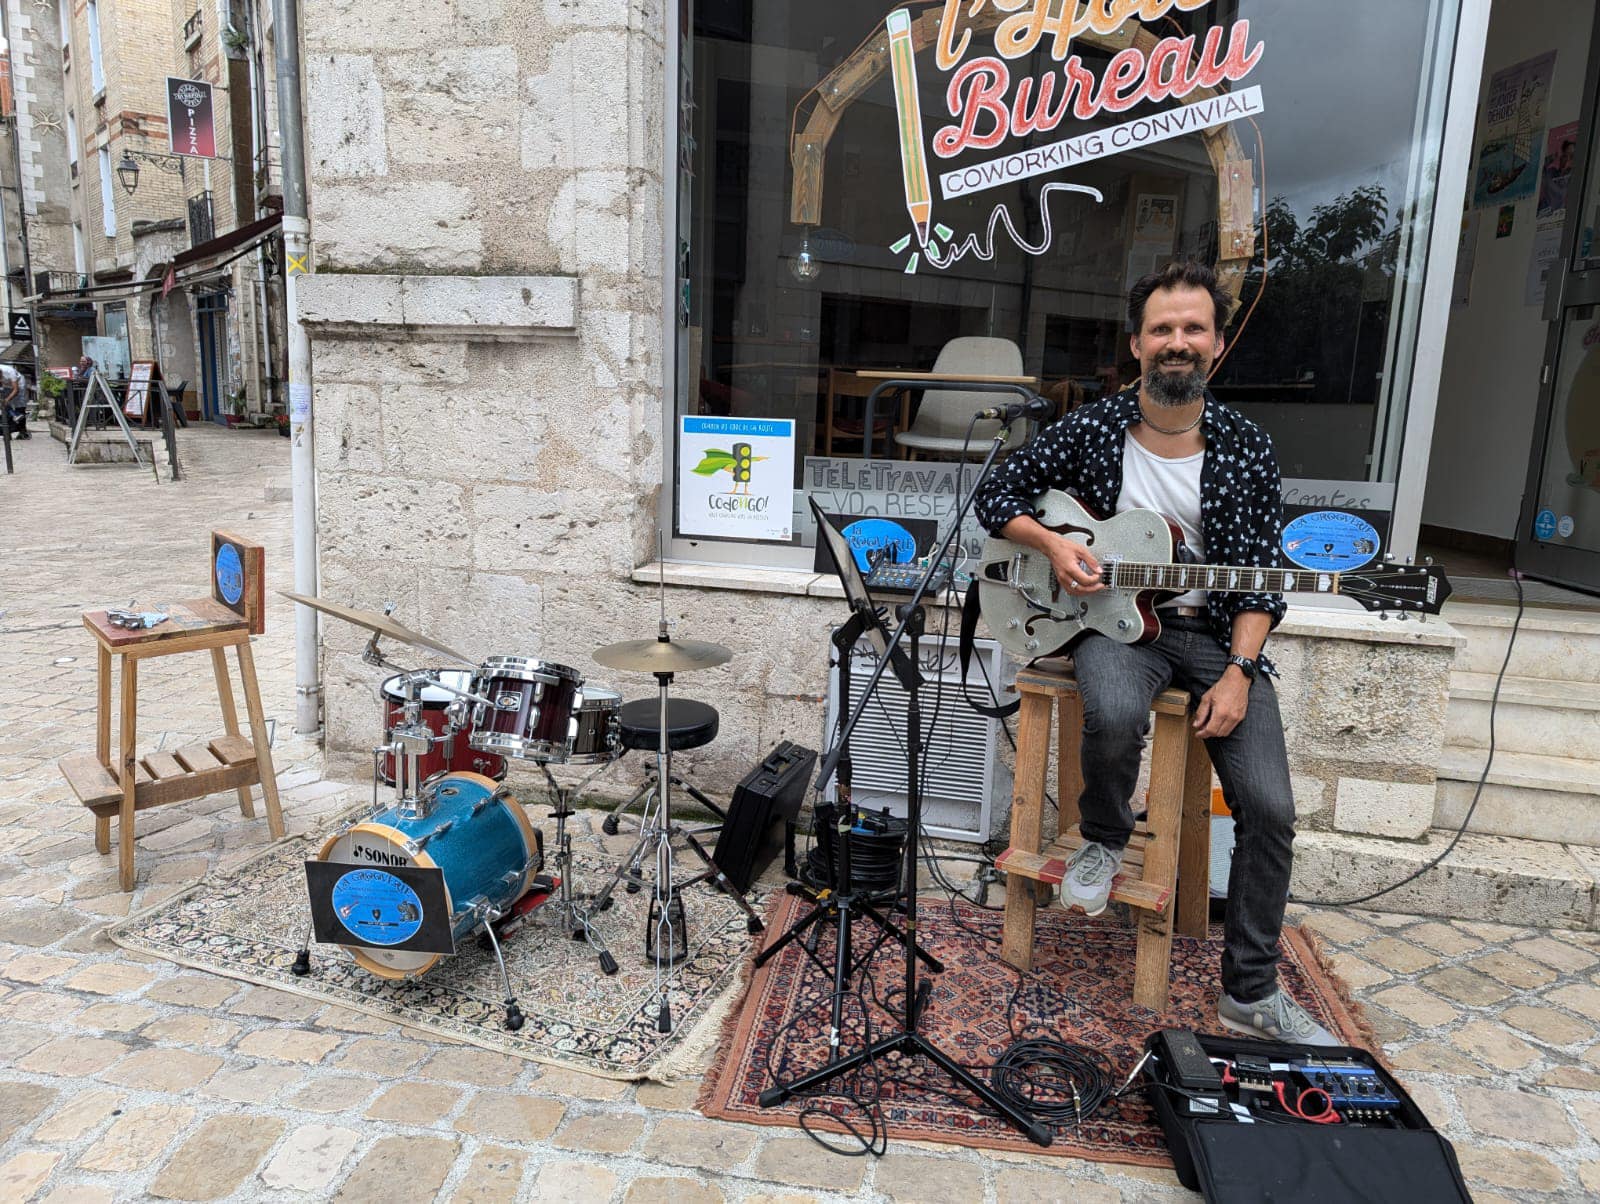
(1116, 719)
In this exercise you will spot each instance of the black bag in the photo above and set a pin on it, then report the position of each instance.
(1245, 1163)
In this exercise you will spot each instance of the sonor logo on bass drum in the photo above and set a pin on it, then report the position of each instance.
(361, 852)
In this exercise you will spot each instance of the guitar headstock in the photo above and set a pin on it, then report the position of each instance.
(1393, 586)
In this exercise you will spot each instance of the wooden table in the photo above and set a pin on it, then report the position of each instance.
(229, 762)
(852, 382)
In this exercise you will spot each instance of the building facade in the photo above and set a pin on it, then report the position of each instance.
(115, 208)
(559, 247)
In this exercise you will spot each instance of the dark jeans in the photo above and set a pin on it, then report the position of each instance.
(1118, 683)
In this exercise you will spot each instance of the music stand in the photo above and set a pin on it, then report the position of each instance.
(906, 1039)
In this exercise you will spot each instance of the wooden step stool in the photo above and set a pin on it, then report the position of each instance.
(224, 620)
(1167, 864)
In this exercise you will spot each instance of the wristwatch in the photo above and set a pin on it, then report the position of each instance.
(1246, 666)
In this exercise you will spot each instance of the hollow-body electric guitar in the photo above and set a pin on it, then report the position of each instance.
(1141, 555)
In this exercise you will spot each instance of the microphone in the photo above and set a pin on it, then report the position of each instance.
(1036, 408)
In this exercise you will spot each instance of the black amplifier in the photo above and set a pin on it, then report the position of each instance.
(769, 792)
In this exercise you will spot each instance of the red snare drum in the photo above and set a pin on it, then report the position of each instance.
(529, 713)
(452, 754)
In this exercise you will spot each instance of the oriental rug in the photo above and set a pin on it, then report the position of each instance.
(1078, 992)
(247, 924)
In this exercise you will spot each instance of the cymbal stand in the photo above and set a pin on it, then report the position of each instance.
(573, 918)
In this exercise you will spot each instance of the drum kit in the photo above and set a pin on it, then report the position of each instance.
(449, 735)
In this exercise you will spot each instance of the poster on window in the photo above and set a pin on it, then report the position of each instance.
(736, 477)
(1560, 147)
(191, 120)
(1511, 141)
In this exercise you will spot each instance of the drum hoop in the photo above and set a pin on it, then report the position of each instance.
(518, 748)
(423, 861)
(610, 702)
(528, 668)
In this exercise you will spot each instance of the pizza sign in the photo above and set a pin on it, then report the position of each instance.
(191, 119)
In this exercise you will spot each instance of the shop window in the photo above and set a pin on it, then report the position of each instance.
(973, 189)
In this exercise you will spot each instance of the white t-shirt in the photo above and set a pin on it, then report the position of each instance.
(1169, 487)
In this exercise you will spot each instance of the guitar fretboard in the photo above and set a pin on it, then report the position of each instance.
(1234, 579)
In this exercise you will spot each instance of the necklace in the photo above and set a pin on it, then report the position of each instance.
(1162, 430)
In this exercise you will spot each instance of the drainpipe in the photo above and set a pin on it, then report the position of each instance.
(302, 465)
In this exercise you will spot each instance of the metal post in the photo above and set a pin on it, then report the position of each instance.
(302, 464)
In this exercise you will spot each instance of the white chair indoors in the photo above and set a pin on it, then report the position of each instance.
(940, 427)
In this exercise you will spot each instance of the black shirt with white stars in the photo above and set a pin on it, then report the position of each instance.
(1241, 504)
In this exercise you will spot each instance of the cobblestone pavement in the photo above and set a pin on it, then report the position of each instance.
(123, 1078)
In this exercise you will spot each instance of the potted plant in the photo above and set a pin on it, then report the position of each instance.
(235, 404)
(282, 422)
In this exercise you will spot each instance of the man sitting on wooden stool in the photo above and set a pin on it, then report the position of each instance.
(1169, 446)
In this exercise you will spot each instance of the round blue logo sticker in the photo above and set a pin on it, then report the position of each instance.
(1330, 540)
(230, 574)
(377, 907)
(1544, 524)
(873, 534)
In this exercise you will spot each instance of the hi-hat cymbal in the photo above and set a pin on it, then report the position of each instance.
(662, 656)
(382, 624)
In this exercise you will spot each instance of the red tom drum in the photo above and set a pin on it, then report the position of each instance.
(528, 714)
(447, 755)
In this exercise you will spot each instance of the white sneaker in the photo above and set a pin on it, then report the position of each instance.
(1087, 883)
(1277, 1018)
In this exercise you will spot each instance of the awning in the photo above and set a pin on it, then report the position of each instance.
(15, 352)
(224, 243)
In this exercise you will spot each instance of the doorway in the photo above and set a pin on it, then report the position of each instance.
(211, 322)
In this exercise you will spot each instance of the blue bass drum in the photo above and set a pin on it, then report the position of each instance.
(475, 832)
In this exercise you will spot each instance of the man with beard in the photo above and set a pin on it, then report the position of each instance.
(1168, 445)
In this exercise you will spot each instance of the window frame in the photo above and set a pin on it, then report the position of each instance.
(108, 199)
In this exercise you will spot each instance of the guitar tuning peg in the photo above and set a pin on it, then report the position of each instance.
(1408, 560)
(1383, 614)
(1428, 560)
(1401, 617)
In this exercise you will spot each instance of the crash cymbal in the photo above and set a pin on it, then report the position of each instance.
(382, 624)
(662, 656)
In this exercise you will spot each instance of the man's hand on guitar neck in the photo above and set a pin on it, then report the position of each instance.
(1075, 566)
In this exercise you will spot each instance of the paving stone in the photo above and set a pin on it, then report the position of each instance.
(274, 1005)
(570, 1084)
(37, 967)
(84, 1112)
(420, 1104)
(1432, 1057)
(1588, 1111)
(1357, 973)
(920, 1179)
(79, 1193)
(136, 1138)
(1573, 1078)
(114, 1016)
(73, 1057)
(1577, 997)
(1340, 927)
(400, 1168)
(192, 1029)
(1495, 934)
(1498, 1048)
(333, 1093)
(1443, 938)
(1562, 954)
(698, 1142)
(217, 1157)
(23, 1174)
(110, 978)
(668, 1097)
(788, 1197)
(387, 1059)
(510, 1117)
(36, 926)
(1589, 1176)
(192, 990)
(21, 1104)
(163, 1070)
(1548, 1025)
(564, 1180)
(1431, 1100)
(259, 1084)
(1521, 973)
(1465, 986)
(1507, 1167)
(1517, 1116)
(801, 1162)
(349, 1020)
(1415, 1004)
(1394, 954)
(1045, 1187)
(478, 1067)
(288, 1045)
(605, 1133)
(309, 1158)
(495, 1177)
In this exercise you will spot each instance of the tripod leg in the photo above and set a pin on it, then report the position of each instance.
(752, 920)
(612, 822)
(898, 934)
(514, 1018)
(694, 793)
(796, 930)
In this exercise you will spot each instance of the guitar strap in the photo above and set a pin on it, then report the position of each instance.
(969, 629)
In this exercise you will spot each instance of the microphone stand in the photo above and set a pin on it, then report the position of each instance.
(907, 1040)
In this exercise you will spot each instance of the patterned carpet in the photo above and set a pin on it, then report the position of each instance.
(1079, 992)
(248, 924)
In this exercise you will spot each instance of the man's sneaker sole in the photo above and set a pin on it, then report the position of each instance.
(1243, 1029)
